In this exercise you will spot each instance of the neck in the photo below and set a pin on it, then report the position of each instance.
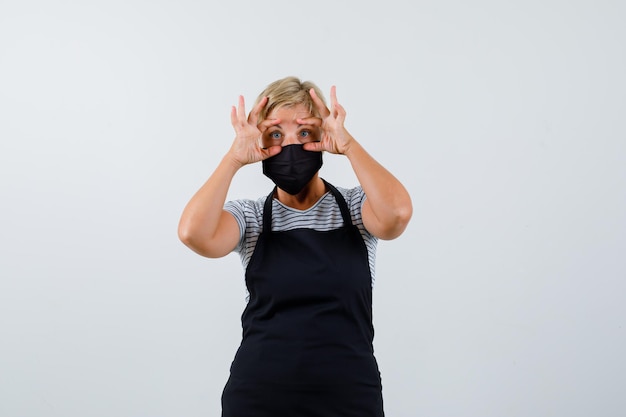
(306, 198)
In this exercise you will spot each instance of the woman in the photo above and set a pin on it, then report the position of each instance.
(308, 249)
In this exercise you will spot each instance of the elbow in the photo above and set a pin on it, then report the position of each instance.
(200, 244)
(404, 215)
(186, 236)
(400, 224)
(185, 231)
(189, 238)
(397, 222)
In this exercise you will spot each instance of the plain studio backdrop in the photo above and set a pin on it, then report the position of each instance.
(505, 120)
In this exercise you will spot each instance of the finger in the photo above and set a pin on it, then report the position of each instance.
(333, 101)
(321, 107)
(254, 114)
(267, 123)
(337, 110)
(333, 95)
(311, 121)
(313, 146)
(241, 109)
(233, 116)
(271, 151)
(340, 113)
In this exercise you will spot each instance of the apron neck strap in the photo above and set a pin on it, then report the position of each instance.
(343, 206)
(267, 212)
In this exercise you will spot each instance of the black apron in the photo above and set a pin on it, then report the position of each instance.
(307, 329)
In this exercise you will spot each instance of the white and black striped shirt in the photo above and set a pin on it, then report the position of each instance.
(324, 215)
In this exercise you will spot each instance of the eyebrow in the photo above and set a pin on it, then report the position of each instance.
(280, 127)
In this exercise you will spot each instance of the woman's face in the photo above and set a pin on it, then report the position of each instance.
(288, 131)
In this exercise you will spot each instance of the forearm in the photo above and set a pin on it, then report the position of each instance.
(200, 219)
(387, 199)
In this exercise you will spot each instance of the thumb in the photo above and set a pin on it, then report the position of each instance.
(271, 151)
(313, 146)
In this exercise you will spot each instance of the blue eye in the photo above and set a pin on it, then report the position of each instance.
(276, 135)
(305, 133)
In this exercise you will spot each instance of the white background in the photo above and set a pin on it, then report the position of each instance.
(505, 120)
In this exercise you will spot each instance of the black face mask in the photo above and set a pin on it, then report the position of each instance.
(292, 169)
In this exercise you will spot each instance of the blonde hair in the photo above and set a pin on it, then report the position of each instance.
(288, 92)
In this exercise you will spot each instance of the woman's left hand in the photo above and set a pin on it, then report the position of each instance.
(334, 138)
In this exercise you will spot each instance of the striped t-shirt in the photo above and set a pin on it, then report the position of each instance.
(324, 215)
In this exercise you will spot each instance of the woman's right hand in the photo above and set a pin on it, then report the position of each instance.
(246, 148)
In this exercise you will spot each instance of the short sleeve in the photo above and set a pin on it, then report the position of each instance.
(237, 209)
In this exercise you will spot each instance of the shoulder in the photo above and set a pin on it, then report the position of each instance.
(249, 216)
(245, 207)
(355, 197)
(248, 212)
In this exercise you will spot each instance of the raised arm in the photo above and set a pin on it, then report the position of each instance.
(388, 208)
(205, 227)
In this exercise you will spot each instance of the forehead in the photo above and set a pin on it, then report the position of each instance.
(299, 111)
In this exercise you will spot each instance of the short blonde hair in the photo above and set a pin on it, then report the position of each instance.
(288, 92)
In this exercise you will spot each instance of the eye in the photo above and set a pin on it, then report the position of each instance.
(275, 135)
(305, 133)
